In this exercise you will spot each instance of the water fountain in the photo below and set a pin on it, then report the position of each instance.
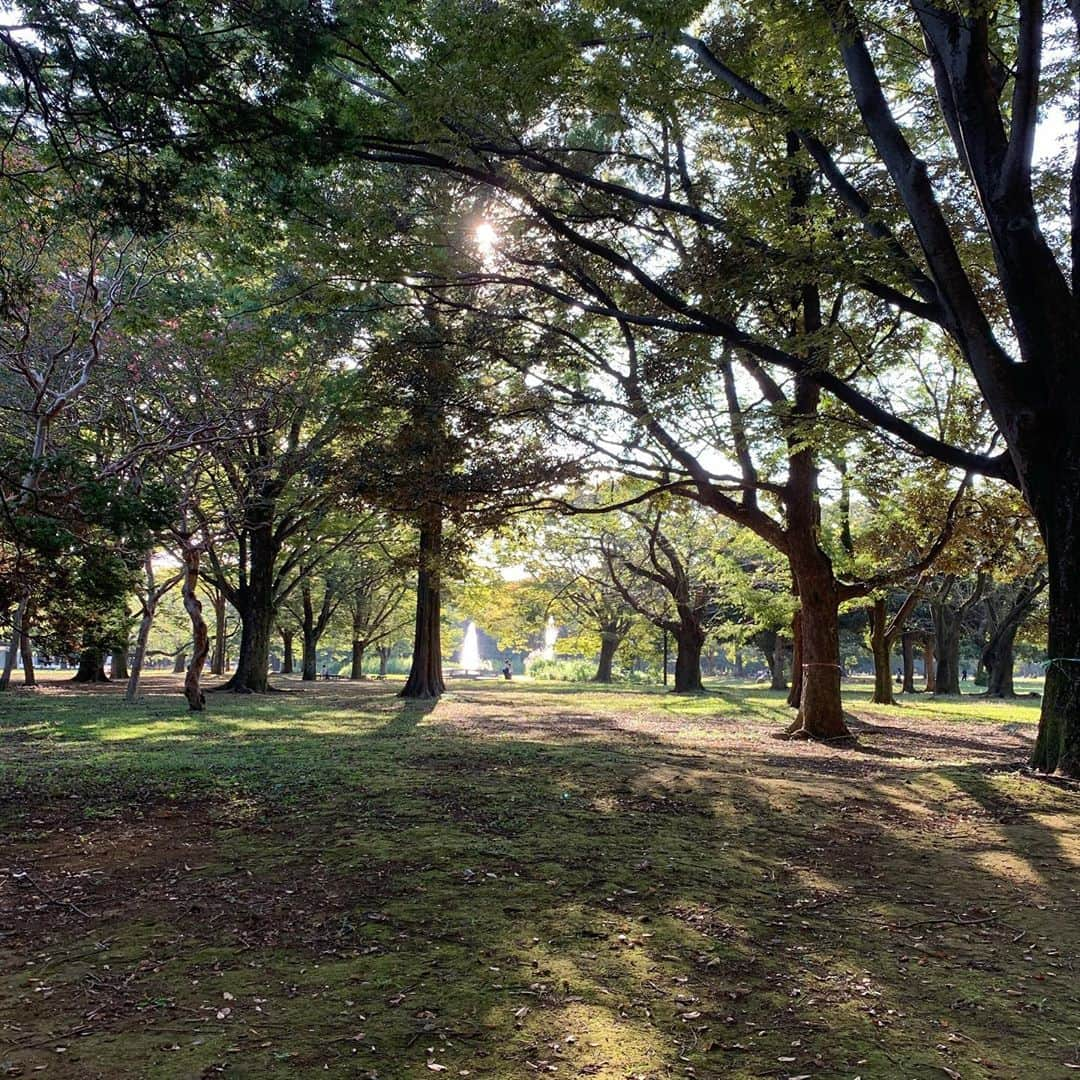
(551, 633)
(470, 650)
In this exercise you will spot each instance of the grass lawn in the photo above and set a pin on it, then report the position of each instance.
(530, 880)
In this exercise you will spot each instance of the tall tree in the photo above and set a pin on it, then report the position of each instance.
(464, 447)
(959, 229)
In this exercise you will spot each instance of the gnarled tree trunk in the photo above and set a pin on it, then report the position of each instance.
(200, 635)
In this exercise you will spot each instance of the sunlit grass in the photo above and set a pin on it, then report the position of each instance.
(607, 882)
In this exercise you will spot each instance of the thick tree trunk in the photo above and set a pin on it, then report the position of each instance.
(357, 669)
(609, 642)
(821, 712)
(879, 646)
(947, 632)
(253, 660)
(929, 663)
(425, 675)
(384, 660)
(255, 605)
(179, 663)
(286, 650)
(999, 660)
(689, 641)
(907, 651)
(221, 632)
(1057, 748)
(200, 635)
(119, 662)
(309, 667)
(91, 667)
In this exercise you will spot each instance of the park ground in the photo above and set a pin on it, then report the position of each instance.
(530, 880)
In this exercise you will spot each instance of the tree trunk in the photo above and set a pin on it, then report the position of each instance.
(26, 650)
(14, 643)
(119, 662)
(998, 658)
(357, 669)
(1057, 748)
(286, 650)
(180, 663)
(384, 660)
(91, 667)
(221, 632)
(609, 642)
(929, 663)
(689, 641)
(139, 656)
(309, 638)
(879, 646)
(253, 662)
(776, 663)
(795, 693)
(425, 675)
(907, 650)
(947, 633)
(199, 633)
(309, 667)
(821, 712)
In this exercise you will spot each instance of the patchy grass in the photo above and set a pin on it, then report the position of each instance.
(524, 880)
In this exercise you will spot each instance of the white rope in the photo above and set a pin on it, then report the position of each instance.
(1046, 664)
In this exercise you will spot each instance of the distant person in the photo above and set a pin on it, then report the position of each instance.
(963, 675)
(507, 671)
(899, 676)
(325, 672)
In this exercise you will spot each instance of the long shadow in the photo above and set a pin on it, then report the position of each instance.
(439, 883)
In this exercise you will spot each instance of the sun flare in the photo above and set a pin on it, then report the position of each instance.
(487, 238)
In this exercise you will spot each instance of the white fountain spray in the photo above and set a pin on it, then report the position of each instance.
(470, 650)
(551, 634)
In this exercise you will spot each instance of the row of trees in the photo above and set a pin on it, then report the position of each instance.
(757, 287)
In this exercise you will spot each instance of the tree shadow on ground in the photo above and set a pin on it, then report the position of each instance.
(376, 891)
